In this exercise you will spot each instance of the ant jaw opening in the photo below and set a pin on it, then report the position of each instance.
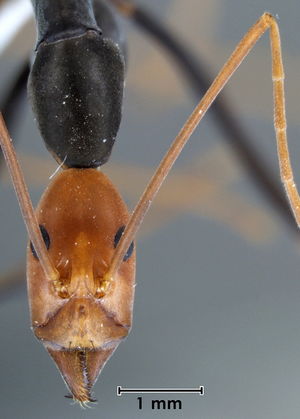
(80, 369)
(80, 337)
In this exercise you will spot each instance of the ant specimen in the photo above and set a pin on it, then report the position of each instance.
(81, 263)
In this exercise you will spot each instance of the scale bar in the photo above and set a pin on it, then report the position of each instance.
(199, 390)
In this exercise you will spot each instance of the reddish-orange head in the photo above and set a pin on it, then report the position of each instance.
(78, 318)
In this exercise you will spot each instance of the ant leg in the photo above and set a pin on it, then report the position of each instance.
(286, 171)
(199, 81)
(25, 203)
(243, 48)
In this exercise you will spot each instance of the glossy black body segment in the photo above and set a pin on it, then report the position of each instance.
(76, 85)
(61, 19)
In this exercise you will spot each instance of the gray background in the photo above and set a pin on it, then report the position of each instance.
(218, 287)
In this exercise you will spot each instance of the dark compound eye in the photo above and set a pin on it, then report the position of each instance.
(46, 240)
(117, 238)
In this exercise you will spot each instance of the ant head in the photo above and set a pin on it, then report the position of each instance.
(79, 317)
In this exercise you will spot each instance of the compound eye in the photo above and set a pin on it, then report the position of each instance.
(117, 238)
(46, 238)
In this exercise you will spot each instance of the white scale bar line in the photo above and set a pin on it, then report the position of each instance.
(199, 390)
